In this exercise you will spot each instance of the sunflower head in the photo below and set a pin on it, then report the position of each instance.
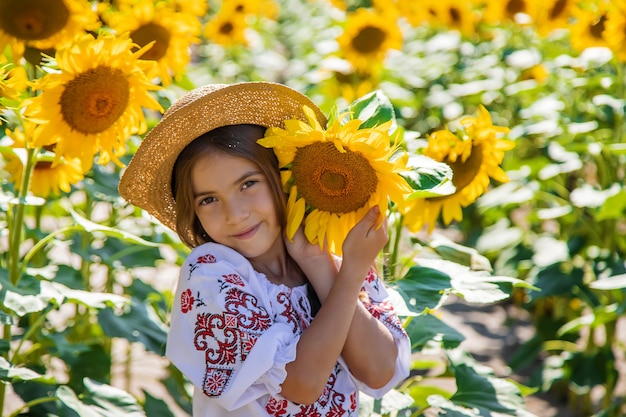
(93, 100)
(165, 29)
(474, 154)
(43, 24)
(368, 37)
(334, 175)
(48, 177)
(13, 82)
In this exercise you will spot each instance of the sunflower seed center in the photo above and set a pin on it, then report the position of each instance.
(368, 40)
(152, 32)
(333, 181)
(32, 20)
(94, 100)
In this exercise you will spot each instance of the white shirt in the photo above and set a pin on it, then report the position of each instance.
(233, 331)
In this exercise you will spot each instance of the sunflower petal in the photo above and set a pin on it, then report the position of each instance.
(295, 213)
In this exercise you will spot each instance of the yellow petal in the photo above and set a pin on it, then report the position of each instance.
(295, 213)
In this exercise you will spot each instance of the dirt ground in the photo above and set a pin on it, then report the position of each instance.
(492, 334)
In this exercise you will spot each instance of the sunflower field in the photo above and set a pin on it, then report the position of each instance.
(510, 118)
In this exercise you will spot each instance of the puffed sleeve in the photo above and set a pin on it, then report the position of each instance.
(223, 336)
(379, 305)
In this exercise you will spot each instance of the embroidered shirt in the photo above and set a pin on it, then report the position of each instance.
(233, 331)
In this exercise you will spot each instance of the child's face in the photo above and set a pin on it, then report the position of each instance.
(233, 201)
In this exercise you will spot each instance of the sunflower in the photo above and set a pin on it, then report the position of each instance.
(267, 8)
(615, 29)
(172, 32)
(94, 103)
(456, 14)
(368, 37)
(348, 85)
(13, 80)
(418, 13)
(590, 19)
(550, 15)
(536, 72)
(498, 12)
(334, 176)
(47, 178)
(43, 24)
(474, 157)
(193, 7)
(227, 28)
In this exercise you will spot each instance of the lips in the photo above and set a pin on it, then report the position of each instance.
(246, 233)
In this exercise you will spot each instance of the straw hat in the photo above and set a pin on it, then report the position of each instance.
(146, 182)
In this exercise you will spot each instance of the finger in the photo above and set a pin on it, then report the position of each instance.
(374, 218)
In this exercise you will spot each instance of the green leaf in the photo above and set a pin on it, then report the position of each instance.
(391, 402)
(92, 227)
(155, 407)
(557, 279)
(458, 253)
(614, 207)
(426, 328)
(481, 395)
(10, 373)
(22, 301)
(428, 178)
(476, 287)
(138, 324)
(94, 361)
(423, 288)
(421, 392)
(615, 282)
(590, 369)
(97, 300)
(100, 400)
(513, 192)
(373, 109)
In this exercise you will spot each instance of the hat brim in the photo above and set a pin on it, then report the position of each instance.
(146, 181)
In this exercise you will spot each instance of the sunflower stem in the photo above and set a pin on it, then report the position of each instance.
(16, 232)
(32, 403)
(393, 254)
(16, 229)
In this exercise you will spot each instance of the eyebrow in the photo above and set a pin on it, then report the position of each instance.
(247, 174)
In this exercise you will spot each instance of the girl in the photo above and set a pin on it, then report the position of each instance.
(261, 325)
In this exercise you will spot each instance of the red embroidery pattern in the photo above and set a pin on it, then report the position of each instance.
(215, 381)
(227, 338)
(246, 307)
(186, 301)
(372, 279)
(204, 259)
(384, 312)
(234, 279)
(276, 407)
(308, 411)
(289, 312)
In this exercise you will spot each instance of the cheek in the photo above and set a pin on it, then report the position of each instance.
(204, 218)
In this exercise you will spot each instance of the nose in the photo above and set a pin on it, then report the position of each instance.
(236, 211)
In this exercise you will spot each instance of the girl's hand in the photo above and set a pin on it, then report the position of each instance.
(307, 255)
(300, 249)
(364, 242)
